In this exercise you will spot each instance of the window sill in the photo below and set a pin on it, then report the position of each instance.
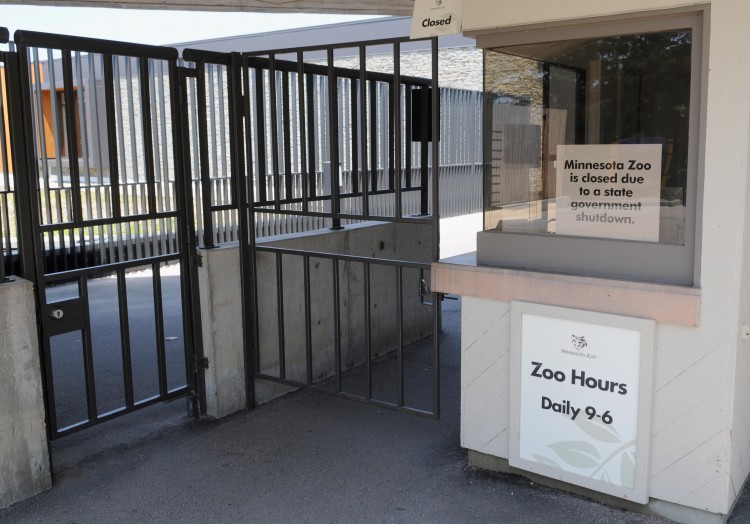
(667, 304)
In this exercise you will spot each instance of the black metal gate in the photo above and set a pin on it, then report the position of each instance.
(320, 140)
(124, 160)
(111, 228)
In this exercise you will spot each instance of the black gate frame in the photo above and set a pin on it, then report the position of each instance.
(31, 232)
(245, 202)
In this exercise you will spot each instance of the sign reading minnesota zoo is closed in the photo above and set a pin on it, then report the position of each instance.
(609, 191)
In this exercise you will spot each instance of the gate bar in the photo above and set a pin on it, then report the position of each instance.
(280, 314)
(368, 328)
(337, 323)
(363, 130)
(88, 353)
(205, 174)
(92, 45)
(396, 144)
(333, 142)
(354, 143)
(425, 151)
(238, 108)
(72, 142)
(408, 131)
(308, 320)
(260, 131)
(127, 361)
(112, 123)
(257, 61)
(400, 334)
(373, 137)
(305, 173)
(288, 179)
(148, 142)
(274, 132)
(313, 190)
(344, 258)
(161, 354)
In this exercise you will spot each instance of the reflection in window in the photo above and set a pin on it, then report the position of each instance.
(630, 93)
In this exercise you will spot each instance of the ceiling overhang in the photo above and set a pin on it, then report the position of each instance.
(375, 7)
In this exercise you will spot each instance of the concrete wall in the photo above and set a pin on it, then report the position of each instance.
(388, 241)
(221, 307)
(221, 319)
(701, 408)
(24, 457)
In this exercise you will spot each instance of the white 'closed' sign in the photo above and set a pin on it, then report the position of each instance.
(436, 18)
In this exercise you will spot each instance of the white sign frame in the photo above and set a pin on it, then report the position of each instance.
(639, 492)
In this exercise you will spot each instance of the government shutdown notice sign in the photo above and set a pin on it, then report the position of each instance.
(609, 191)
(436, 18)
(578, 386)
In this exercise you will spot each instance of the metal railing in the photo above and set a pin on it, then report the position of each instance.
(357, 372)
(128, 156)
(460, 157)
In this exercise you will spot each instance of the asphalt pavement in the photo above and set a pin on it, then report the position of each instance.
(308, 457)
(104, 318)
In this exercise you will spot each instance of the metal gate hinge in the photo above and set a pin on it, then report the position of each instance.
(201, 362)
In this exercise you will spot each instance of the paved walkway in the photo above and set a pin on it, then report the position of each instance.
(308, 457)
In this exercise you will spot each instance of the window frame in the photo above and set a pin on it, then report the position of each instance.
(602, 257)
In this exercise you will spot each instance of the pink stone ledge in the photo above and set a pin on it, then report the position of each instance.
(667, 304)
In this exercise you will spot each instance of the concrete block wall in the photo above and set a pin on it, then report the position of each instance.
(24, 455)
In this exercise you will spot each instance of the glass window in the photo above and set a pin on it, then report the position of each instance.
(590, 138)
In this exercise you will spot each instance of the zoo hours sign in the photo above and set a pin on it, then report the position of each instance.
(579, 393)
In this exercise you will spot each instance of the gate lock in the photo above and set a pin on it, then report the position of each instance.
(65, 316)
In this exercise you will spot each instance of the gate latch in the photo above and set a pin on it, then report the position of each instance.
(56, 314)
(201, 362)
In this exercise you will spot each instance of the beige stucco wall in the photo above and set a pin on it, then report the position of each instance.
(489, 14)
(701, 407)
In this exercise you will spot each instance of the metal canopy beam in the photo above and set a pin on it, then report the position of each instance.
(378, 7)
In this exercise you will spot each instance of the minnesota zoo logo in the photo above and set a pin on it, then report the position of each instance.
(579, 342)
(579, 345)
